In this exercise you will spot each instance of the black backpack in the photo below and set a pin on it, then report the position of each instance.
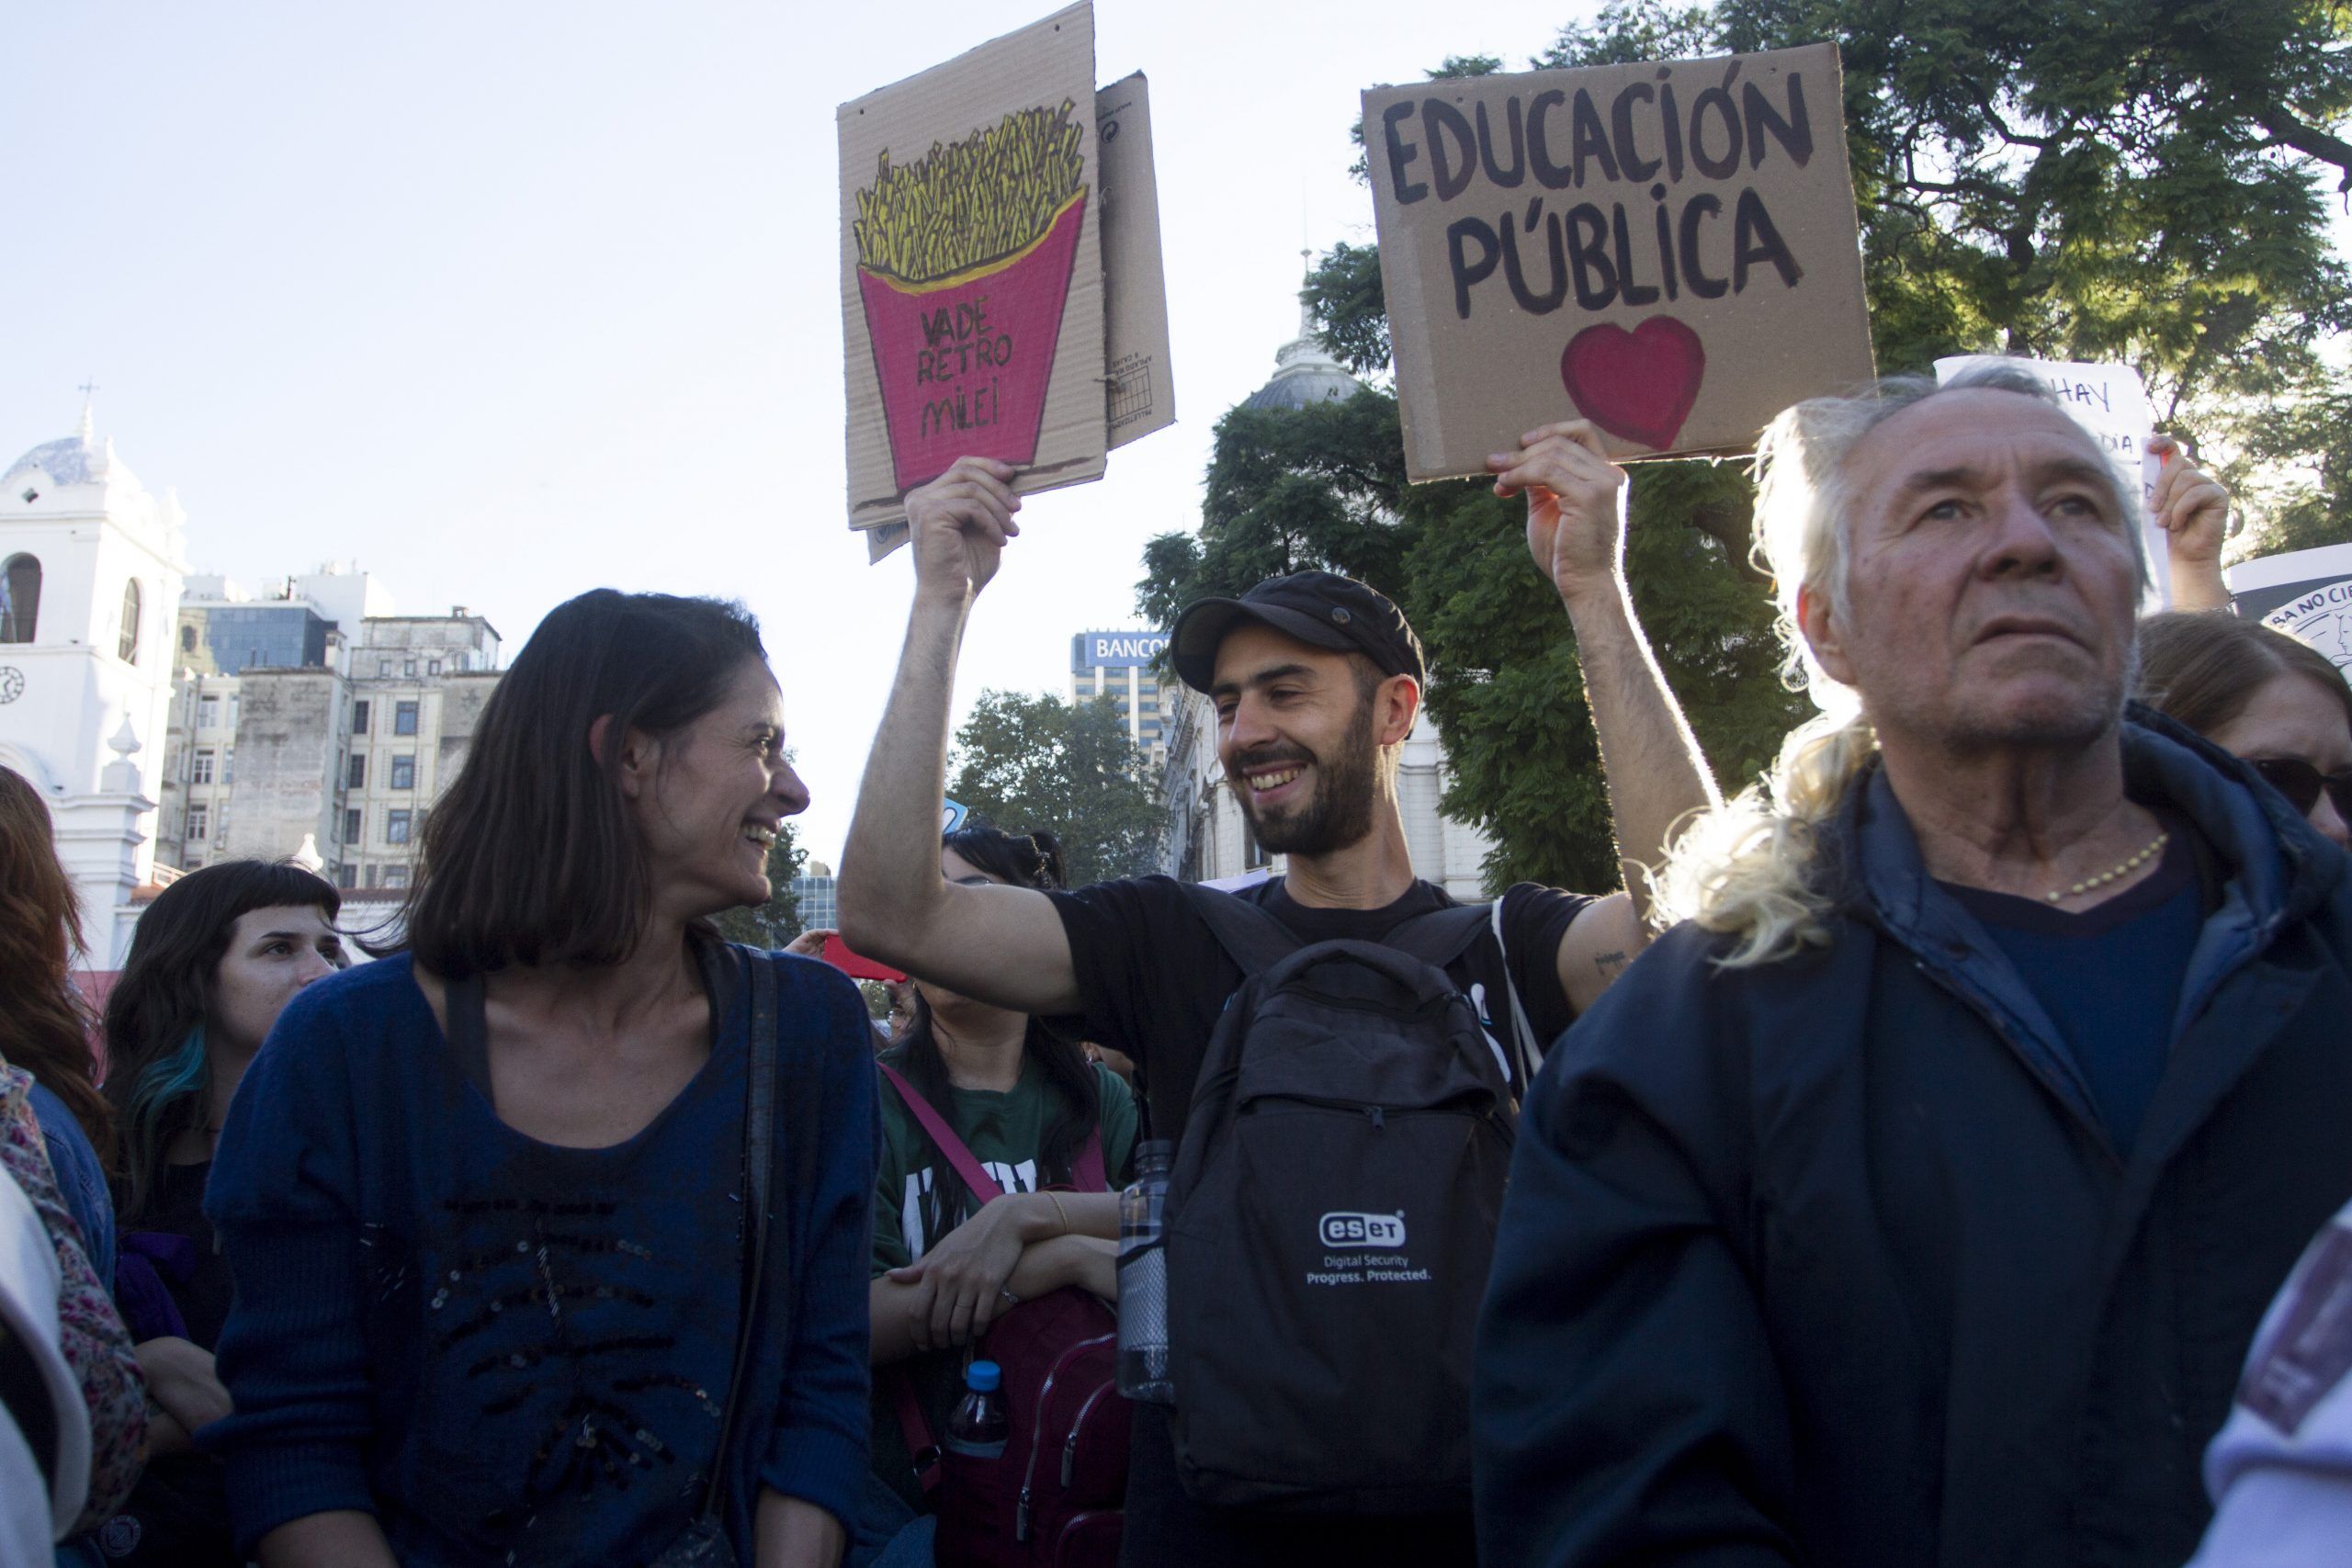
(1332, 1215)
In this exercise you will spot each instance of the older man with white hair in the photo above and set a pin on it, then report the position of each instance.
(1916, 1200)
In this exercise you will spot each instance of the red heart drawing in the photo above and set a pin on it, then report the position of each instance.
(1638, 385)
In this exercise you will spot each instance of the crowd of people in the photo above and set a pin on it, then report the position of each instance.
(1937, 1154)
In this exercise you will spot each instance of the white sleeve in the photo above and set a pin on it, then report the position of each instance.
(2280, 1471)
(28, 1291)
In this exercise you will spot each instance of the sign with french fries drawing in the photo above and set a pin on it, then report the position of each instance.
(972, 272)
(1666, 249)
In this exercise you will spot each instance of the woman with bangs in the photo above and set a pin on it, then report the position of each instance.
(213, 962)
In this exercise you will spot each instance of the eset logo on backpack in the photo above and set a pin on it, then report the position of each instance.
(1340, 1229)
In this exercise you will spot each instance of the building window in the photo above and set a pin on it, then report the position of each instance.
(188, 639)
(342, 876)
(383, 667)
(354, 828)
(404, 772)
(396, 826)
(355, 773)
(19, 599)
(396, 876)
(202, 772)
(208, 713)
(404, 718)
(198, 821)
(127, 647)
(432, 667)
(371, 877)
(359, 718)
(408, 669)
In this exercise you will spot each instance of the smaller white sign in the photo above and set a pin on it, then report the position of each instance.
(2108, 402)
(2321, 616)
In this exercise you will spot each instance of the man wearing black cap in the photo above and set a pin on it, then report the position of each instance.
(1318, 680)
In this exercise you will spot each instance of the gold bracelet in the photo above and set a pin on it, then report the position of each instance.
(1062, 1212)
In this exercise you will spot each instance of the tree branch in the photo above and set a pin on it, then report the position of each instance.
(2309, 139)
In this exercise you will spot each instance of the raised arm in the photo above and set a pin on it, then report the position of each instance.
(1656, 774)
(1001, 945)
(2193, 510)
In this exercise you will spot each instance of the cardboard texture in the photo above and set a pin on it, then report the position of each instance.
(1666, 249)
(1142, 395)
(2110, 401)
(972, 300)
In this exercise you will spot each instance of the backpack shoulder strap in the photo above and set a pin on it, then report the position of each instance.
(1440, 936)
(935, 1127)
(1251, 937)
(1443, 935)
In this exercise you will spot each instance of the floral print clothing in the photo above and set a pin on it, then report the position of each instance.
(89, 1331)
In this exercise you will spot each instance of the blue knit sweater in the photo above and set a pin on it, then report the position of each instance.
(512, 1352)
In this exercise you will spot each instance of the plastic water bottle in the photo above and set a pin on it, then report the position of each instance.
(981, 1423)
(1143, 1279)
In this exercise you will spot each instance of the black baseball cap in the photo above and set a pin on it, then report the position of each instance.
(1322, 609)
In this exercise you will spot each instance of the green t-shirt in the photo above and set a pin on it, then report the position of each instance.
(1004, 1131)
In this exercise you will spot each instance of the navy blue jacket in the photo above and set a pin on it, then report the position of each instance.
(1831, 1261)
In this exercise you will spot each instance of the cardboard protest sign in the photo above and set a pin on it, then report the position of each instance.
(971, 268)
(2305, 593)
(1142, 398)
(1666, 249)
(2110, 401)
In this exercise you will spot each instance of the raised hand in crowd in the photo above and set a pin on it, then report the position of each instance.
(959, 524)
(1656, 776)
(2193, 510)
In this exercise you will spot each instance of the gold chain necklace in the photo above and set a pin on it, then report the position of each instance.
(2156, 846)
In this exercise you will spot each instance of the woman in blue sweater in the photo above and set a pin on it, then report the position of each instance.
(482, 1199)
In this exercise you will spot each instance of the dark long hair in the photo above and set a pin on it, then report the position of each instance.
(531, 858)
(45, 1024)
(2201, 667)
(157, 1067)
(1025, 859)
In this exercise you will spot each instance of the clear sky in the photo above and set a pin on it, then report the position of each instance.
(506, 301)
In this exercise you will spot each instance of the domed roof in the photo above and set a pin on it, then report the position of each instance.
(1306, 374)
(78, 458)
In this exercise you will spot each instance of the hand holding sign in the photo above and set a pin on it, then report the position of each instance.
(2189, 505)
(960, 523)
(1575, 520)
(2193, 510)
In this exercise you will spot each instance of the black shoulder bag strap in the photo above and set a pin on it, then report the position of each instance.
(759, 1157)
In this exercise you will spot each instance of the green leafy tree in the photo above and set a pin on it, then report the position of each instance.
(777, 921)
(2097, 179)
(1029, 762)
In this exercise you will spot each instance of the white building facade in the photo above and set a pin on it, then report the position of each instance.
(91, 566)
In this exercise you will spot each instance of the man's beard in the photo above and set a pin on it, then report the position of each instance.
(1340, 813)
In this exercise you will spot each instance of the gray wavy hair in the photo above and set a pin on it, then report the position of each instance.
(1749, 868)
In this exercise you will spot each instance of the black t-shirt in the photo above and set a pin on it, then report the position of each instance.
(1153, 980)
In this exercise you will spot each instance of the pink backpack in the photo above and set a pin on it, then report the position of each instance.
(1053, 1499)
